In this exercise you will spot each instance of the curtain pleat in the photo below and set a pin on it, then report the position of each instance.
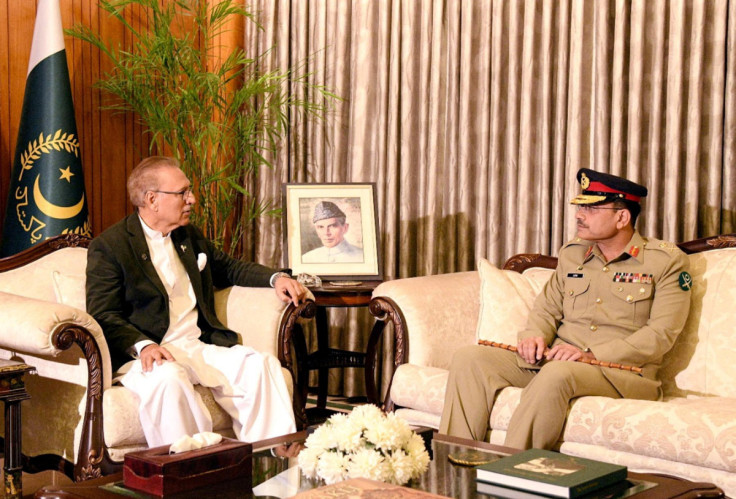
(472, 118)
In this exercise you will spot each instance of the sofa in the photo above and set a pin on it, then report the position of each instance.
(42, 309)
(689, 433)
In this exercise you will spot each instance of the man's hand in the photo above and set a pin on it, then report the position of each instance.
(288, 450)
(565, 351)
(288, 289)
(531, 349)
(154, 353)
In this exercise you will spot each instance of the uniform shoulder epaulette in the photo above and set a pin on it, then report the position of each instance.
(576, 241)
(659, 245)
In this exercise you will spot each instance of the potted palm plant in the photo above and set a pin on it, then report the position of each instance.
(221, 116)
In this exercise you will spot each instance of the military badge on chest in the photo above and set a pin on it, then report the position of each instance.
(633, 277)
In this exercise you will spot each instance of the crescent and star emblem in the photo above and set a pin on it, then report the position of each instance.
(52, 210)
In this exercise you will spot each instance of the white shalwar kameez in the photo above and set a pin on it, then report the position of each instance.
(248, 384)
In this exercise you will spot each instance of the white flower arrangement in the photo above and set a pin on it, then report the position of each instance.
(365, 443)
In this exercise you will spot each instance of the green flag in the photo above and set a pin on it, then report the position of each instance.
(46, 196)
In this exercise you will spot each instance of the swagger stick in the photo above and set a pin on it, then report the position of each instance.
(594, 362)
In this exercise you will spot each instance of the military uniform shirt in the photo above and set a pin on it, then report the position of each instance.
(629, 310)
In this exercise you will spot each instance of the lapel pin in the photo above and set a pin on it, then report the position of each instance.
(144, 256)
(184, 248)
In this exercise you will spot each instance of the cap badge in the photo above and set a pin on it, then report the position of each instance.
(584, 181)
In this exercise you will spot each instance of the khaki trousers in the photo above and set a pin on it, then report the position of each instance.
(479, 373)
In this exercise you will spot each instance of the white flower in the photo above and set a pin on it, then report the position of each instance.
(367, 463)
(349, 436)
(323, 438)
(365, 443)
(418, 454)
(401, 467)
(366, 415)
(332, 467)
(389, 433)
(308, 458)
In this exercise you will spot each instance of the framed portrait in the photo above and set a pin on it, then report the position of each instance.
(331, 230)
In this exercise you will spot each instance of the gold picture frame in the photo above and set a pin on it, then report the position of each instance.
(331, 230)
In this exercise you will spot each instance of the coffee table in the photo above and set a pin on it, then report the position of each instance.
(280, 477)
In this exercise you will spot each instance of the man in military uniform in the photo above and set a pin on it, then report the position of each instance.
(615, 296)
(330, 222)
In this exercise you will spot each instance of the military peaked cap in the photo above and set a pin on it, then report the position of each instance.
(602, 187)
(327, 209)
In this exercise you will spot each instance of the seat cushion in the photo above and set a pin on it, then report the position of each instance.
(698, 431)
(419, 387)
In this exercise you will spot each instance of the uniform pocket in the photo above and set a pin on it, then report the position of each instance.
(634, 301)
(576, 296)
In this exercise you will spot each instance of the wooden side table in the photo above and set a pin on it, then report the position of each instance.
(325, 358)
(12, 392)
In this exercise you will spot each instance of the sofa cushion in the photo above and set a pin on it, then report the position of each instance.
(693, 431)
(419, 387)
(701, 361)
(34, 279)
(506, 297)
(70, 289)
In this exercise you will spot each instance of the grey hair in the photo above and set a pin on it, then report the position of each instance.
(144, 177)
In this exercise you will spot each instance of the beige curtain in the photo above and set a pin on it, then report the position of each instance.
(473, 116)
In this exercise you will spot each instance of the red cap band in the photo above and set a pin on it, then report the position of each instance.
(599, 187)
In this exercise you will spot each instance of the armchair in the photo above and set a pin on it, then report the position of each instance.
(42, 309)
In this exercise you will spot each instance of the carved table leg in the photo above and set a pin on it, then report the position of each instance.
(12, 392)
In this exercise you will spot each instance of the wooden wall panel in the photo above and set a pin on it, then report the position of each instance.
(111, 144)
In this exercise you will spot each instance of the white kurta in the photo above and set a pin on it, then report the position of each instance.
(248, 384)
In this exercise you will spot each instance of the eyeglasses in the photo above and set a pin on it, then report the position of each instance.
(183, 193)
(587, 210)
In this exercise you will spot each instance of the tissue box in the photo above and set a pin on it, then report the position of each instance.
(157, 472)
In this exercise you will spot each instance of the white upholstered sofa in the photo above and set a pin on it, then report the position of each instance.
(691, 433)
(44, 324)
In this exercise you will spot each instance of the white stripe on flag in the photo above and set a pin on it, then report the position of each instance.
(48, 35)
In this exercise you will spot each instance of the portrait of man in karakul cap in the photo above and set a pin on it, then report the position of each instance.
(330, 224)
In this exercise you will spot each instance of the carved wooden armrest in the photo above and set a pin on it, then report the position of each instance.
(94, 460)
(385, 310)
(291, 334)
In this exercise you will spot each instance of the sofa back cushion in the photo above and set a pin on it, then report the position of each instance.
(702, 362)
(506, 298)
(36, 279)
(70, 289)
